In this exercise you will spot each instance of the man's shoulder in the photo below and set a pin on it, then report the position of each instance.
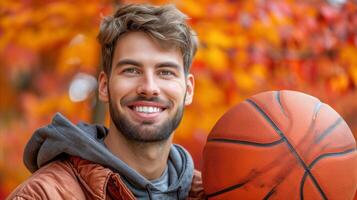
(56, 179)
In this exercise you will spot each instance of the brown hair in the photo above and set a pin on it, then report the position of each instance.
(166, 24)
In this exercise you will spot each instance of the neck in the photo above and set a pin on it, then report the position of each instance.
(148, 159)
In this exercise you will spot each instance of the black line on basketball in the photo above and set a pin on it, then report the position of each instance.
(329, 130)
(226, 189)
(313, 120)
(317, 109)
(302, 186)
(318, 159)
(278, 99)
(292, 149)
(245, 142)
(331, 155)
(270, 193)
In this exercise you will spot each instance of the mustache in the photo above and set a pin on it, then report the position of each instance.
(128, 100)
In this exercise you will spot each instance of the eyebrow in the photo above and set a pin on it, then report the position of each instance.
(138, 64)
(128, 62)
(168, 64)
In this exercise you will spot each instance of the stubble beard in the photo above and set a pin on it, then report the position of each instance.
(146, 131)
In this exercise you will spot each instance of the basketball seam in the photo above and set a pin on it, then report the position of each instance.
(292, 149)
(270, 193)
(278, 98)
(329, 130)
(226, 190)
(331, 154)
(245, 142)
(318, 159)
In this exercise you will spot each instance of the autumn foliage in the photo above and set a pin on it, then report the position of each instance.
(245, 47)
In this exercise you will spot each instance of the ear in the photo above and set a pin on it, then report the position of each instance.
(190, 85)
(103, 87)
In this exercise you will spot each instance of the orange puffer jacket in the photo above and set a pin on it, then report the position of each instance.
(75, 178)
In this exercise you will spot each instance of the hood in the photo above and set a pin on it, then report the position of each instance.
(87, 141)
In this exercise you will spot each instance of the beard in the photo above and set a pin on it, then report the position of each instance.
(145, 131)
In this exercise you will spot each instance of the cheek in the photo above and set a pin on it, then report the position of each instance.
(174, 90)
(119, 88)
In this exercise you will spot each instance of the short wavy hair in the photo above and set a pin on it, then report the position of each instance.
(166, 24)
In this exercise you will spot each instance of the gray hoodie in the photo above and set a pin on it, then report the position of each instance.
(87, 142)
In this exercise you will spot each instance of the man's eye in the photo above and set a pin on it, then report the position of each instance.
(166, 73)
(131, 71)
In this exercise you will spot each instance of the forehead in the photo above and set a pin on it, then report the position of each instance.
(141, 47)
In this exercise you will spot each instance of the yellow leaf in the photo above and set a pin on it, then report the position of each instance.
(244, 80)
(348, 55)
(240, 41)
(258, 71)
(216, 58)
(219, 39)
(192, 8)
(339, 83)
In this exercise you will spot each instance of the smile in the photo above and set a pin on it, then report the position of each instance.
(147, 109)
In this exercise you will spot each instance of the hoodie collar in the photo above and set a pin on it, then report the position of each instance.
(86, 141)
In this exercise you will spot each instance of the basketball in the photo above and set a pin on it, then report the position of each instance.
(280, 145)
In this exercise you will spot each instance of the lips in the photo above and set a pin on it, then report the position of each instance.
(146, 110)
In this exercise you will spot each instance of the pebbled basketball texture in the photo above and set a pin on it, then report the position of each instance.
(282, 145)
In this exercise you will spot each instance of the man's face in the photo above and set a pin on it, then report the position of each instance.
(147, 89)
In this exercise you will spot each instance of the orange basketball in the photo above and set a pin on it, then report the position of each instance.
(280, 145)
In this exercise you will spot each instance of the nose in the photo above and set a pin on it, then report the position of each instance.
(148, 86)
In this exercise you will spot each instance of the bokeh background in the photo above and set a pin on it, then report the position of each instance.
(49, 62)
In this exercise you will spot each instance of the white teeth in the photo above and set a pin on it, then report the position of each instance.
(147, 109)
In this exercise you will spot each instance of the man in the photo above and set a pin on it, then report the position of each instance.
(146, 52)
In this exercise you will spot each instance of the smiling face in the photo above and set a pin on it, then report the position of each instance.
(147, 88)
